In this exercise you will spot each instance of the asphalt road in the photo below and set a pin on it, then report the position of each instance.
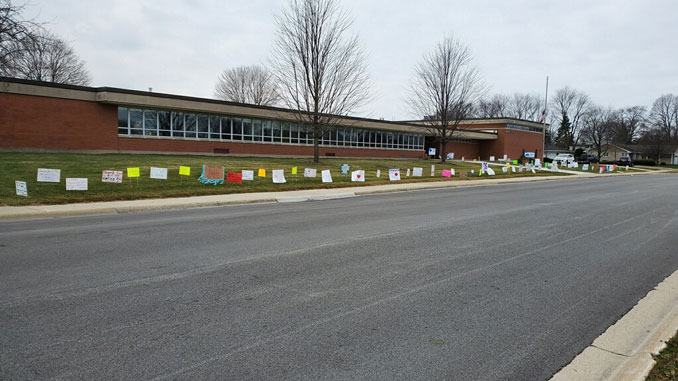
(498, 282)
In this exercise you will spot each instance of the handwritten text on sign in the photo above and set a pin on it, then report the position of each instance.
(76, 184)
(49, 175)
(111, 177)
(21, 189)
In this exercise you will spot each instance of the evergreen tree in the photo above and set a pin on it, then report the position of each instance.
(564, 139)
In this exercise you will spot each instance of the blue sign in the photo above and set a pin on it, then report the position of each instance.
(529, 155)
(431, 151)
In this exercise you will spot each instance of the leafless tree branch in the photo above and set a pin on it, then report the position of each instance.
(247, 84)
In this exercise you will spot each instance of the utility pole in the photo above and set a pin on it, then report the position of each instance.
(543, 121)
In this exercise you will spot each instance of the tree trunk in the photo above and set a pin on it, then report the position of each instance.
(316, 145)
(443, 153)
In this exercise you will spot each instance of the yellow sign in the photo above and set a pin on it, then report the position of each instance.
(185, 171)
(294, 170)
(262, 173)
(133, 172)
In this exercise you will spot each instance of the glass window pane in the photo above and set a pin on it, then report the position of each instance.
(256, 130)
(150, 123)
(275, 131)
(178, 124)
(225, 128)
(267, 131)
(303, 134)
(340, 136)
(190, 121)
(136, 122)
(247, 129)
(215, 127)
(294, 133)
(361, 136)
(285, 129)
(237, 128)
(164, 124)
(123, 121)
(203, 126)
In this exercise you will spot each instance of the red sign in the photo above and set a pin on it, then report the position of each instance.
(234, 177)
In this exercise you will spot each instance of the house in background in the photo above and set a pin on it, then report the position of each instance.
(613, 152)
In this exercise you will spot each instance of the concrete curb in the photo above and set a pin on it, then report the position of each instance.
(115, 207)
(624, 351)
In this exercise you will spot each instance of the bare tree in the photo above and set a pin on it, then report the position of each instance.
(629, 122)
(50, 59)
(444, 89)
(320, 70)
(571, 106)
(597, 127)
(526, 106)
(247, 84)
(14, 32)
(495, 107)
(664, 115)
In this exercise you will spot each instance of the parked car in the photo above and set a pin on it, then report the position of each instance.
(563, 159)
(588, 158)
(625, 160)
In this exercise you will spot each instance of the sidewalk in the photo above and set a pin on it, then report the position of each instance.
(113, 207)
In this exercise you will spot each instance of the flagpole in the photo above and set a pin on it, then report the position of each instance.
(543, 122)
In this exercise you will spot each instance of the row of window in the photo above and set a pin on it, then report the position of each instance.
(524, 128)
(163, 123)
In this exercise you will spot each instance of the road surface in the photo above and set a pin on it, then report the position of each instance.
(496, 282)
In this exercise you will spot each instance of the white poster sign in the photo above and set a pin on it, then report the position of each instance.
(504, 169)
(431, 151)
(537, 163)
(49, 175)
(452, 171)
(450, 156)
(309, 172)
(491, 158)
(76, 184)
(247, 175)
(407, 173)
(394, 174)
(433, 170)
(584, 167)
(533, 171)
(490, 171)
(513, 169)
(417, 171)
(378, 172)
(111, 177)
(358, 175)
(327, 176)
(159, 173)
(21, 188)
(279, 176)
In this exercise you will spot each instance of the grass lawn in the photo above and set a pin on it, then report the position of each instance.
(667, 363)
(23, 167)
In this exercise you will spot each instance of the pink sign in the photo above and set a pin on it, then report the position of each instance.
(446, 173)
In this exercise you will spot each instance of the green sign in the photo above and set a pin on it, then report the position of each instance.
(515, 162)
(345, 168)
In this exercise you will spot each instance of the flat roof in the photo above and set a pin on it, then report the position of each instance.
(148, 99)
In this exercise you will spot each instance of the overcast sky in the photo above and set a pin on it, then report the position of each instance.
(621, 53)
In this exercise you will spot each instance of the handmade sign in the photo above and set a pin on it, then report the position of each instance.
(601, 169)
(212, 174)
(159, 173)
(344, 169)
(513, 169)
(417, 171)
(490, 171)
(462, 158)
(515, 162)
(431, 151)
(529, 155)
(533, 171)
(452, 171)
(447, 173)
(326, 175)
(394, 174)
(21, 188)
(184, 171)
(133, 172)
(433, 170)
(234, 177)
(504, 169)
(450, 156)
(247, 175)
(309, 172)
(279, 176)
(407, 174)
(76, 184)
(484, 167)
(537, 163)
(261, 173)
(49, 175)
(584, 167)
(294, 170)
(358, 175)
(491, 158)
(111, 177)
(378, 172)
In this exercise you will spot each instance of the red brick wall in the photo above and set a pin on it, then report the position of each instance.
(466, 150)
(53, 123)
(509, 142)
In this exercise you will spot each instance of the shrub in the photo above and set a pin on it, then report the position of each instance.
(644, 162)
